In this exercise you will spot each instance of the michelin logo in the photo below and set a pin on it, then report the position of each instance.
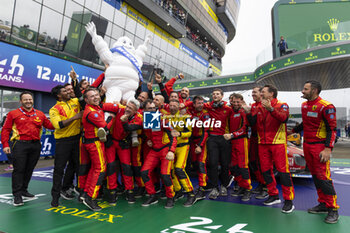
(151, 120)
(10, 75)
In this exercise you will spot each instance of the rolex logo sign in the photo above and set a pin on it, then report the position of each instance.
(333, 24)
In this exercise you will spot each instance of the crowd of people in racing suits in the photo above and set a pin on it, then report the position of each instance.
(99, 141)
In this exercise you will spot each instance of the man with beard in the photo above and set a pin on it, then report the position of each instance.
(218, 148)
(163, 146)
(271, 118)
(127, 119)
(320, 129)
(254, 157)
(198, 146)
(26, 123)
(182, 131)
(65, 116)
(239, 141)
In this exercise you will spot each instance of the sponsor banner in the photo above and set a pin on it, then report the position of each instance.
(211, 82)
(208, 9)
(310, 56)
(48, 145)
(307, 24)
(31, 70)
(194, 55)
(149, 25)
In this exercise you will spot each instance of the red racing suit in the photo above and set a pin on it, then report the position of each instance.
(92, 150)
(162, 143)
(319, 125)
(239, 153)
(199, 138)
(121, 146)
(272, 138)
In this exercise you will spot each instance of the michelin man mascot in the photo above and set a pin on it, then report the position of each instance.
(123, 74)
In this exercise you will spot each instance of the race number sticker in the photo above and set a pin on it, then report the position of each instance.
(204, 225)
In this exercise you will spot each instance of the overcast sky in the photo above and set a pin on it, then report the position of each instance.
(253, 36)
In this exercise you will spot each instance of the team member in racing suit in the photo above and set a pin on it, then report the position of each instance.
(254, 157)
(163, 146)
(271, 120)
(198, 146)
(182, 131)
(126, 120)
(319, 125)
(92, 149)
(239, 141)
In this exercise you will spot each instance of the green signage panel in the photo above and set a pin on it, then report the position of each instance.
(309, 23)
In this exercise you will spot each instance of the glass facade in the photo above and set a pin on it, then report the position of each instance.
(57, 28)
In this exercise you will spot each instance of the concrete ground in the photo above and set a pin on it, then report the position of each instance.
(340, 151)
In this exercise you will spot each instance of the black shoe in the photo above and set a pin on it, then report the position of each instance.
(319, 209)
(17, 201)
(130, 196)
(332, 216)
(246, 195)
(208, 188)
(153, 199)
(112, 198)
(92, 204)
(191, 199)
(55, 202)
(272, 200)
(288, 207)
(140, 192)
(200, 195)
(258, 189)
(82, 196)
(66, 195)
(100, 195)
(178, 195)
(239, 192)
(262, 195)
(120, 189)
(169, 203)
(77, 190)
(27, 194)
(232, 178)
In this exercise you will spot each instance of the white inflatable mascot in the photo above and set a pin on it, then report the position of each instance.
(124, 71)
(123, 74)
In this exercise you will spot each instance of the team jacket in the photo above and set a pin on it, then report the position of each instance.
(238, 124)
(319, 122)
(94, 118)
(200, 133)
(161, 138)
(120, 130)
(24, 125)
(185, 129)
(62, 111)
(271, 126)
